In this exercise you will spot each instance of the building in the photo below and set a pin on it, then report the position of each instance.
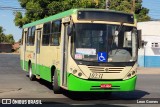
(149, 54)
(5, 47)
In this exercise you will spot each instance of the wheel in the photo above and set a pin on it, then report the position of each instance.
(56, 87)
(31, 76)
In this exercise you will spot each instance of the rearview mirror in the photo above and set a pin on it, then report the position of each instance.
(139, 34)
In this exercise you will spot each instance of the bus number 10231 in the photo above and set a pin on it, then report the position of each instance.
(96, 75)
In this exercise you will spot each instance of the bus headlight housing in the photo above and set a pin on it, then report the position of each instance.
(131, 74)
(78, 73)
(74, 71)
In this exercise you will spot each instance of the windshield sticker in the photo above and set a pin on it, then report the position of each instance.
(86, 51)
(78, 56)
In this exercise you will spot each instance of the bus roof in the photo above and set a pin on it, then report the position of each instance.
(50, 18)
(61, 15)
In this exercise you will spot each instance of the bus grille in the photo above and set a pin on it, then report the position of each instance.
(106, 69)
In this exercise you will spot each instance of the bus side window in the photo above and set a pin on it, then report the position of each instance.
(55, 33)
(31, 36)
(28, 35)
(24, 37)
(46, 34)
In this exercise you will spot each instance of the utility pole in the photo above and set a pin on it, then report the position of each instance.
(107, 4)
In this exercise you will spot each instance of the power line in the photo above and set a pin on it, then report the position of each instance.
(21, 9)
(11, 8)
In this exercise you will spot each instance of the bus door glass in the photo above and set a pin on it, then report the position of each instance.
(38, 40)
(65, 56)
(23, 49)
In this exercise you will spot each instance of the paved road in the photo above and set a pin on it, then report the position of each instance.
(14, 83)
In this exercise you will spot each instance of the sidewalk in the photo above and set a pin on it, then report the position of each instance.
(142, 70)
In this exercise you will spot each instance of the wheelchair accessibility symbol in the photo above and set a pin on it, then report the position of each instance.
(102, 57)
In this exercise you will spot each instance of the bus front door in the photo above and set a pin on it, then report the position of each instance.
(38, 39)
(64, 56)
(23, 50)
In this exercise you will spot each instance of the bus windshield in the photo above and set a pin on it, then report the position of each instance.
(117, 41)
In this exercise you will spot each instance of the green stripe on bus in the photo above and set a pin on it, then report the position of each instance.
(44, 72)
(54, 17)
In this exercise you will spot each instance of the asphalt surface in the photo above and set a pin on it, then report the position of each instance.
(14, 83)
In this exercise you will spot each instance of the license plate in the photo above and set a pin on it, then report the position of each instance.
(106, 85)
(96, 75)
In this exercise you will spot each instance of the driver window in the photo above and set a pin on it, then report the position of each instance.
(127, 39)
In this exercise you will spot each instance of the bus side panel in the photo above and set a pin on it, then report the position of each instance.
(25, 65)
(45, 73)
(21, 63)
(33, 68)
(47, 58)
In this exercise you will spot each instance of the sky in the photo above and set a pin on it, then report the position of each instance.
(7, 16)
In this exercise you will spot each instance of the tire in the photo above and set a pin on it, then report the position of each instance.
(56, 87)
(31, 76)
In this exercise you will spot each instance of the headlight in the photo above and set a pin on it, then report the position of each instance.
(77, 72)
(130, 74)
(74, 71)
(133, 72)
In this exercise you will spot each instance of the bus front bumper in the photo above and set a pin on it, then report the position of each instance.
(77, 84)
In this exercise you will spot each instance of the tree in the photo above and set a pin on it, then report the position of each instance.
(5, 38)
(2, 36)
(38, 9)
(9, 39)
(126, 6)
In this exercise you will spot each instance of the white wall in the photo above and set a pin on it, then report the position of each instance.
(150, 56)
(150, 28)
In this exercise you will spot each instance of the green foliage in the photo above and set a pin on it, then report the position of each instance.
(38, 9)
(9, 39)
(126, 6)
(2, 36)
(6, 38)
(1, 30)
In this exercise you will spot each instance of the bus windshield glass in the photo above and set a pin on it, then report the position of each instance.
(118, 42)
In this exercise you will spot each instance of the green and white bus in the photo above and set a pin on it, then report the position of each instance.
(82, 50)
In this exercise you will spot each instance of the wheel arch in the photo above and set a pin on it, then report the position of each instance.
(53, 69)
(29, 64)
